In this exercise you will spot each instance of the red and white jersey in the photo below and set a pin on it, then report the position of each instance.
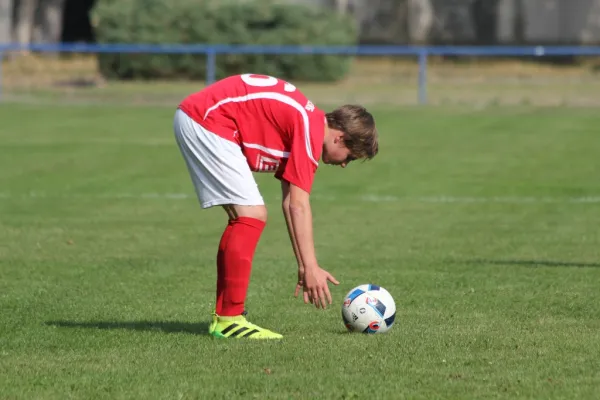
(277, 127)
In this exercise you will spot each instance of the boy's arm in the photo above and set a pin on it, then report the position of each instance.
(296, 206)
(285, 206)
(298, 217)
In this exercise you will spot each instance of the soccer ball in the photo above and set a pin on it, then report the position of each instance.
(368, 309)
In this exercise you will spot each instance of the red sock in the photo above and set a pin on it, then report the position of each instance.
(221, 263)
(234, 264)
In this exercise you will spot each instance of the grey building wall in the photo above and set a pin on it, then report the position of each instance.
(474, 21)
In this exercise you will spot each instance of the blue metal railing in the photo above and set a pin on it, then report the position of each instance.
(212, 50)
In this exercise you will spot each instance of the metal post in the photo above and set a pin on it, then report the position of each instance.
(423, 77)
(211, 66)
(1, 60)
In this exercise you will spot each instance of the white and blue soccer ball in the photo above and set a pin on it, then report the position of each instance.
(368, 309)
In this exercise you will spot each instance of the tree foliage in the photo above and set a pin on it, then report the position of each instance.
(221, 22)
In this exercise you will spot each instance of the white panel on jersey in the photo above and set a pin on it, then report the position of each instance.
(273, 152)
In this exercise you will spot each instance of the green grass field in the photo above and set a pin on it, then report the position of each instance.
(484, 225)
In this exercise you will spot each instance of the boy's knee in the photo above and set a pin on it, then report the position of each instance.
(259, 212)
(256, 212)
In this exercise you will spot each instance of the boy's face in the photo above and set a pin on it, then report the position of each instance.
(335, 151)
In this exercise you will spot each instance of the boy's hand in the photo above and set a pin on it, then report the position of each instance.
(316, 288)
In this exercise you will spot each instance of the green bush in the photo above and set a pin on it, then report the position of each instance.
(221, 22)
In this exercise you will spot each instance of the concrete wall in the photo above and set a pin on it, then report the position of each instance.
(475, 21)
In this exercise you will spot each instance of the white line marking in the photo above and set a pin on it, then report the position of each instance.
(321, 197)
(492, 199)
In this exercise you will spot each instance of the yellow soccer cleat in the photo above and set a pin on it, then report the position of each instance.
(238, 327)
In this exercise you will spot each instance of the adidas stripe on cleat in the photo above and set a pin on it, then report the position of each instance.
(237, 330)
(239, 327)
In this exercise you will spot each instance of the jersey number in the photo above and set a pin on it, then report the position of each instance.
(266, 81)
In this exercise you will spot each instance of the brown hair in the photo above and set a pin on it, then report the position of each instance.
(358, 125)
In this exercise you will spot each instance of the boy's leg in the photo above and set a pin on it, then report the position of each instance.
(234, 267)
(235, 255)
(221, 176)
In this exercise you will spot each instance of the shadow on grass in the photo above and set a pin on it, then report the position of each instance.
(535, 263)
(200, 328)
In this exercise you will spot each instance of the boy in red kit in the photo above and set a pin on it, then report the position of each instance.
(256, 123)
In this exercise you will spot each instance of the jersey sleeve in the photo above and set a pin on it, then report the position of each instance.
(301, 166)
